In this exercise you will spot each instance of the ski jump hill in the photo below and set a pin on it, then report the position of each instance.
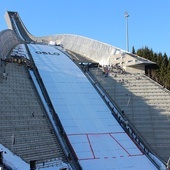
(59, 107)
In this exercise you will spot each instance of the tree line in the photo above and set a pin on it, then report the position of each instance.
(159, 72)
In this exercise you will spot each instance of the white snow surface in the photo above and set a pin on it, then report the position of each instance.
(12, 160)
(98, 140)
(16, 163)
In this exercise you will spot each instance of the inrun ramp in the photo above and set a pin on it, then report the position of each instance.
(98, 141)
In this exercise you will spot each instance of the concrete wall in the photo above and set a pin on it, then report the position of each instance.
(97, 51)
(8, 40)
(136, 68)
(102, 53)
(8, 21)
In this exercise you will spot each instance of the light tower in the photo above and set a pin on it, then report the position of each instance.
(126, 15)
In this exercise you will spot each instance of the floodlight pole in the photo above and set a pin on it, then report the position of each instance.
(126, 15)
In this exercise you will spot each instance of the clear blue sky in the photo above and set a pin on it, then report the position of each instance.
(149, 21)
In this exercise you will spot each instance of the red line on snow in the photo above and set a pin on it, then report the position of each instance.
(76, 134)
(120, 144)
(83, 159)
(90, 145)
(141, 154)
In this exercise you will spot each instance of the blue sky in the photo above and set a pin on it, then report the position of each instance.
(100, 20)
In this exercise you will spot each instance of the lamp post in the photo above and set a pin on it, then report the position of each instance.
(126, 15)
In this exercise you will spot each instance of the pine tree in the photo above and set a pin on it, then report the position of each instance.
(161, 73)
(133, 50)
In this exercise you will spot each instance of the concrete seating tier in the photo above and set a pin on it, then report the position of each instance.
(145, 103)
(24, 125)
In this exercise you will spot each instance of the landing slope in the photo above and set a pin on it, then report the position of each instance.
(97, 139)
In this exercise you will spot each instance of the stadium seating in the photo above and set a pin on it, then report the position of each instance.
(25, 127)
(145, 103)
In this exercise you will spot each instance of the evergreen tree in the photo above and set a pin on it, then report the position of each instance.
(133, 50)
(161, 73)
